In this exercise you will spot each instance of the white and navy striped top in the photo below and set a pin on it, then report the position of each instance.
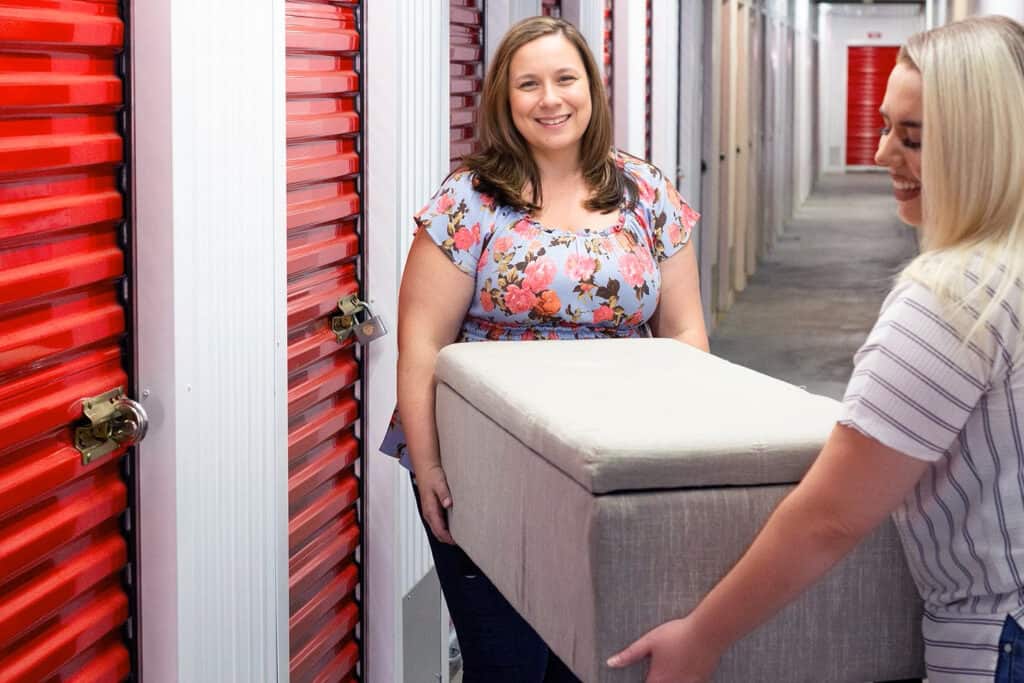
(918, 389)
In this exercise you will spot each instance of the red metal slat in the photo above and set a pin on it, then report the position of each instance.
(62, 551)
(308, 567)
(324, 220)
(47, 652)
(608, 48)
(466, 51)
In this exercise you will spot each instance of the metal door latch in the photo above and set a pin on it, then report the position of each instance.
(114, 421)
(357, 318)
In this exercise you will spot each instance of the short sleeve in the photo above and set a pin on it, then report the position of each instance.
(458, 218)
(672, 219)
(915, 383)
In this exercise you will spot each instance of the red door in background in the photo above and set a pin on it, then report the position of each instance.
(466, 41)
(64, 588)
(323, 42)
(607, 50)
(867, 70)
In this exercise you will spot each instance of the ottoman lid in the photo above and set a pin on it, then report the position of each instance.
(628, 414)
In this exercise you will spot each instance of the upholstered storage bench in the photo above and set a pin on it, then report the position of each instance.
(604, 486)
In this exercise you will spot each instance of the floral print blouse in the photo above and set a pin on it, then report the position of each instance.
(537, 281)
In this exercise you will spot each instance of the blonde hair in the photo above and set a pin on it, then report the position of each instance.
(504, 166)
(972, 170)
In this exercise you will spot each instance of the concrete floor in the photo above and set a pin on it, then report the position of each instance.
(813, 300)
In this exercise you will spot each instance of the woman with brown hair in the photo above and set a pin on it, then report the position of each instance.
(546, 233)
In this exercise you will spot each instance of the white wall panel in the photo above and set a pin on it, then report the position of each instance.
(210, 210)
(406, 159)
(629, 66)
(665, 86)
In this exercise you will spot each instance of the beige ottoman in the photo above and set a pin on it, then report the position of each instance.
(604, 486)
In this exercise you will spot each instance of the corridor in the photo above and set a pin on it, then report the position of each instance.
(815, 297)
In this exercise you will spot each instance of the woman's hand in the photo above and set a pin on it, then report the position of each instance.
(435, 499)
(676, 651)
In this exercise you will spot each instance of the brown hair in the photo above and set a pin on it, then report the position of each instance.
(504, 165)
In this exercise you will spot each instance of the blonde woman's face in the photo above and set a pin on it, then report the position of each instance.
(549, 94)
(899, 148)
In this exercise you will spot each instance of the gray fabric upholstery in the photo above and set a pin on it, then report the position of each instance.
(591, 573)
(629, 414)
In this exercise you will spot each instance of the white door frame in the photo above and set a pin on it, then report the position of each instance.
(208, 135)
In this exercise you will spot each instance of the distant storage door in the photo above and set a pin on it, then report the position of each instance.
(867, 70)
(324, 227)
(467, 74)
(608, 50)
(64, 607)
(551, 8)
(649, 40)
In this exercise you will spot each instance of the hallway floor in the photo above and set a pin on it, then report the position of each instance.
(814, 299)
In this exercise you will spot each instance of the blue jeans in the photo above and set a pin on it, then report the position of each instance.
(497, 644)
(1011, 653)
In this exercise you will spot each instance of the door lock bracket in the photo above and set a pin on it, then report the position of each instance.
(114, 421)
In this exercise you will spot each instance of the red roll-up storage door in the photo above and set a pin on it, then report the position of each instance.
(647, 86)
(608, 52)
(323, 41)
(63, 600)
(467, 74)
(551, 8)
(867, 70)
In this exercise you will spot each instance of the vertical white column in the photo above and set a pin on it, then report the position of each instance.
(588, 17)
(629, 64)
(665, 86)
(499, 16)
(210, 210)
(405, 158)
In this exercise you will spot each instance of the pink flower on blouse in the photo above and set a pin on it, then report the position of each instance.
(635, 319)
(485, 301)
(444, 202)
(675, 235)
(580, 267)
(539, 274)
(645, 191)
(690, 217)
(632, 270)
(503, 243)
(482, 262)
(602, 314)
(525, 229)
(465, 238)
(487, 201)
(519, 299)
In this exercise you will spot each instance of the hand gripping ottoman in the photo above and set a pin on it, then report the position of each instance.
(604, 486)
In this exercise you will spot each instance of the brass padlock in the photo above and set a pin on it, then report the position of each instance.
(356, 317)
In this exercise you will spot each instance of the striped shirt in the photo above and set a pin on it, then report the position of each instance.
(919, 390)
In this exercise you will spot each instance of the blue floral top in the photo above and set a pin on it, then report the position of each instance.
(535, 281)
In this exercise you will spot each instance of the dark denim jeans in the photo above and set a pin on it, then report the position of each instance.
(1011, 653)
(497, 644)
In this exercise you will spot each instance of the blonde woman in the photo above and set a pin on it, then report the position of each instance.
(932, 428)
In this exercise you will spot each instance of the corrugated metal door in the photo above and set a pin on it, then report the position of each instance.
(608, 49)
(551, 8)
(63, 601)
(867, 70)
(467, 73)
(323, 44)
(648, 43)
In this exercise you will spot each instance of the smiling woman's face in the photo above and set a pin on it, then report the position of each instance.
(549, 95)
(899, 148)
